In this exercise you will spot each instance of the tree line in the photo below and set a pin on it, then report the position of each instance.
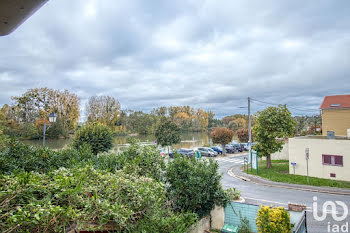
(27, 113)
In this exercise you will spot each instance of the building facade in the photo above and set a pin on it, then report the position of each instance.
(336, 114)
(328, 158)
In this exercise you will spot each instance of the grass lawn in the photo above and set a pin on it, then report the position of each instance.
(280, 173)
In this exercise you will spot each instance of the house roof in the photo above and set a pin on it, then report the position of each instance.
(336, 102)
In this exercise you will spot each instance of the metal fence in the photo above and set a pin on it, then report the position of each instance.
(234, 210)
(302, 226)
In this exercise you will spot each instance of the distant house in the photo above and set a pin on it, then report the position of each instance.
(328, 158)
(336, 114)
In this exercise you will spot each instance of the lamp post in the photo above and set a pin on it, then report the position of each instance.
(52, 119)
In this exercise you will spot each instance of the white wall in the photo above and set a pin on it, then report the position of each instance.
(282, 155)
(216, 219)
(201, 226)
(317, 147)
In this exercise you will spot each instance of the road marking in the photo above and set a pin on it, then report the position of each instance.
(230, 160)
(275, 202)
(262, 200)
(308, 208)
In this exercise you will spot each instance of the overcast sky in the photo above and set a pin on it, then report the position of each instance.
(209, 54)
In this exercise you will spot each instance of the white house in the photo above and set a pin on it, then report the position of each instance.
(328, 158)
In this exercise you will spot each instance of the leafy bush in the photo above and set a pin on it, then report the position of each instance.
(167, 133)
(89, 198)
(134, 191)
(138, 160)
(273, 220)
(3, 141)
(24, 130)
(244, 225)
(194, 185)
(234, 193)
(146, 158)
(58, 129)
(3, 127)
(20, 156)
(98, 136)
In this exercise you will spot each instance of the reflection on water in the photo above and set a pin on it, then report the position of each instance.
(52, 143)
(188, 140)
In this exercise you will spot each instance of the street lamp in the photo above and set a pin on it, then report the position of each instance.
(52, 119)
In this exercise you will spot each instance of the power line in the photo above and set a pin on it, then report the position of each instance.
(297, 109)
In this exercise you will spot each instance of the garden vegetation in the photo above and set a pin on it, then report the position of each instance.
(42, 190)
(273, 220)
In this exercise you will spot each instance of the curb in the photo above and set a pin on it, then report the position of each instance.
(230, 173)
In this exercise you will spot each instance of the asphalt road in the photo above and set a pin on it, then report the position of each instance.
(263, 195)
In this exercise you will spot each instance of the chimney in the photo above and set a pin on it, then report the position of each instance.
(330, 135)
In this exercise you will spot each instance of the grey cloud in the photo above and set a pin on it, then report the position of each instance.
(208, 54)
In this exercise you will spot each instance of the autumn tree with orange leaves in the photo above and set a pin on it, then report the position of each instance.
(222, 136)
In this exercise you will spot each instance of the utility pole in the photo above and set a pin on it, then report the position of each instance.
(249, 129)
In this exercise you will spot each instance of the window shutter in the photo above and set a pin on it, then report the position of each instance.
(338, 160)
(327, 159)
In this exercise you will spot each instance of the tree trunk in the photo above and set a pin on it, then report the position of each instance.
(223, 150)
(268, 161)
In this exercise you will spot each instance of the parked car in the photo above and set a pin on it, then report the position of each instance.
(230, 149)
(245, 146)
(210, 149)
(186, 152)
(217, 149)
(238, 147)
(207, 152)
(164, 152)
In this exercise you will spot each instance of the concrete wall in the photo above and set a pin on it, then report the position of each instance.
(317, 147)
(215, 220)
(201, 226)
(217, 217)
(283, 154)
(337, 120)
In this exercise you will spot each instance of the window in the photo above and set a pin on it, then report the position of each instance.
(333, 160)
(335, 105)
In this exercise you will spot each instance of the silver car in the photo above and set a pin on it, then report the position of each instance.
(207, 152)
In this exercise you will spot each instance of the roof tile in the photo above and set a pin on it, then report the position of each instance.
(336, 101)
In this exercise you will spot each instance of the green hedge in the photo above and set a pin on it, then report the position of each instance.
(194, 185)
(20, 156)
(98, 136)
(46, 190)
(89, 198)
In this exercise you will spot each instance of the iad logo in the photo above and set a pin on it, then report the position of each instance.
(333, 211)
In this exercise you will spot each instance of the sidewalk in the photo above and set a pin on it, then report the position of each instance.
(236, 172)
